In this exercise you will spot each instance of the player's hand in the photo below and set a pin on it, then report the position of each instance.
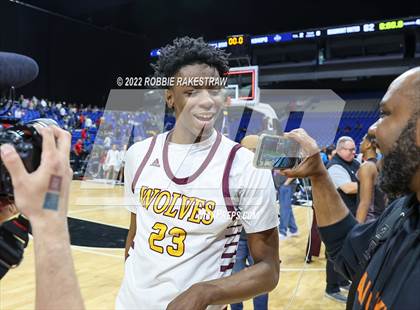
(42, 196)
(312, 164)
(192, 299)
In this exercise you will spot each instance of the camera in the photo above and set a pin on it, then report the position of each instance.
(28, 144)
(14, 234)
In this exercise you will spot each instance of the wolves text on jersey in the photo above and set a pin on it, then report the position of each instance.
(176, 205)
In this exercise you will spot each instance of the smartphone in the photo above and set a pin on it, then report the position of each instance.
(277, 152)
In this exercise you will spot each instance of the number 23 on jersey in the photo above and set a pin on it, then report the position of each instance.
(177, 248)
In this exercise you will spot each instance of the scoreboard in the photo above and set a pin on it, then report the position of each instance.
(241, 43)
(238, 45)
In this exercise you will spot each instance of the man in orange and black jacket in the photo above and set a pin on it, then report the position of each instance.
(381, 257)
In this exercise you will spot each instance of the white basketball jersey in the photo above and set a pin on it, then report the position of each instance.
(187, 231)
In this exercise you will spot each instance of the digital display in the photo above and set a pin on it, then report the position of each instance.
(245, 41)
(236, 40)
(395, 24)
(238, 45)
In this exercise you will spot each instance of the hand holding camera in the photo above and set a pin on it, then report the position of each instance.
(42, 195)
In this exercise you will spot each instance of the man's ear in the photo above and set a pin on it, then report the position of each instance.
(418, 132)
(169, 98)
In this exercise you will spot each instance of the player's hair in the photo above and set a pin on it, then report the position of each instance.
(372, 139)
(188, 51)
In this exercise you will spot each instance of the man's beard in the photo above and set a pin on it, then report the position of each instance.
(402, 162)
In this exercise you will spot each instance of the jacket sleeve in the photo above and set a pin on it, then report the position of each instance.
(345, 242)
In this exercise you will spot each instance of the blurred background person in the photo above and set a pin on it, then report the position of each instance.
(372, 200)
(121, 159)
(287, 225)
(342, 169)
(112, 162)
(78, 154)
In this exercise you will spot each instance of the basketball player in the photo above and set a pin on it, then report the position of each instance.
(372, 201)
(184, 189)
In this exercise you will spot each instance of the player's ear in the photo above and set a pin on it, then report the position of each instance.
(169, 98)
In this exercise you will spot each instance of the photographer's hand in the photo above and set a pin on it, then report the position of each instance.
(42, 196)
(32, 191)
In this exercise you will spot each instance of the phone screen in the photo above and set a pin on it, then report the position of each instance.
(276, 152)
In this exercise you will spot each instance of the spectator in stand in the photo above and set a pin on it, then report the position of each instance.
(88, 122)
(63, 111)
(83, 134)
(331, 152)
(99, 121)
(81, 120)
(78, 152)
(324, 156)
(18, 113)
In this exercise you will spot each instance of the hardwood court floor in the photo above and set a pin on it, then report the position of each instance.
(100, 270)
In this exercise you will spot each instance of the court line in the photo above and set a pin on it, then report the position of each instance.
(83, 249)
(93, 209)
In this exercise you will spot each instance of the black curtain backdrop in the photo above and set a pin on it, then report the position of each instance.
(78, 62)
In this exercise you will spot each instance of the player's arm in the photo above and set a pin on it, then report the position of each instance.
(131, 233)
(342, 179)
(259, 278)
(367, 174)
(349, 188)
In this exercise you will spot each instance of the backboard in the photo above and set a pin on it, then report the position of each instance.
(242, 85)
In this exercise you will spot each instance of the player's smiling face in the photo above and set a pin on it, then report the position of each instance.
(196, 108)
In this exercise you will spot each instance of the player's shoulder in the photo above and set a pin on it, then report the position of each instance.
(243, 153)
(367, 168)
(243, 158)
(140, 148)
